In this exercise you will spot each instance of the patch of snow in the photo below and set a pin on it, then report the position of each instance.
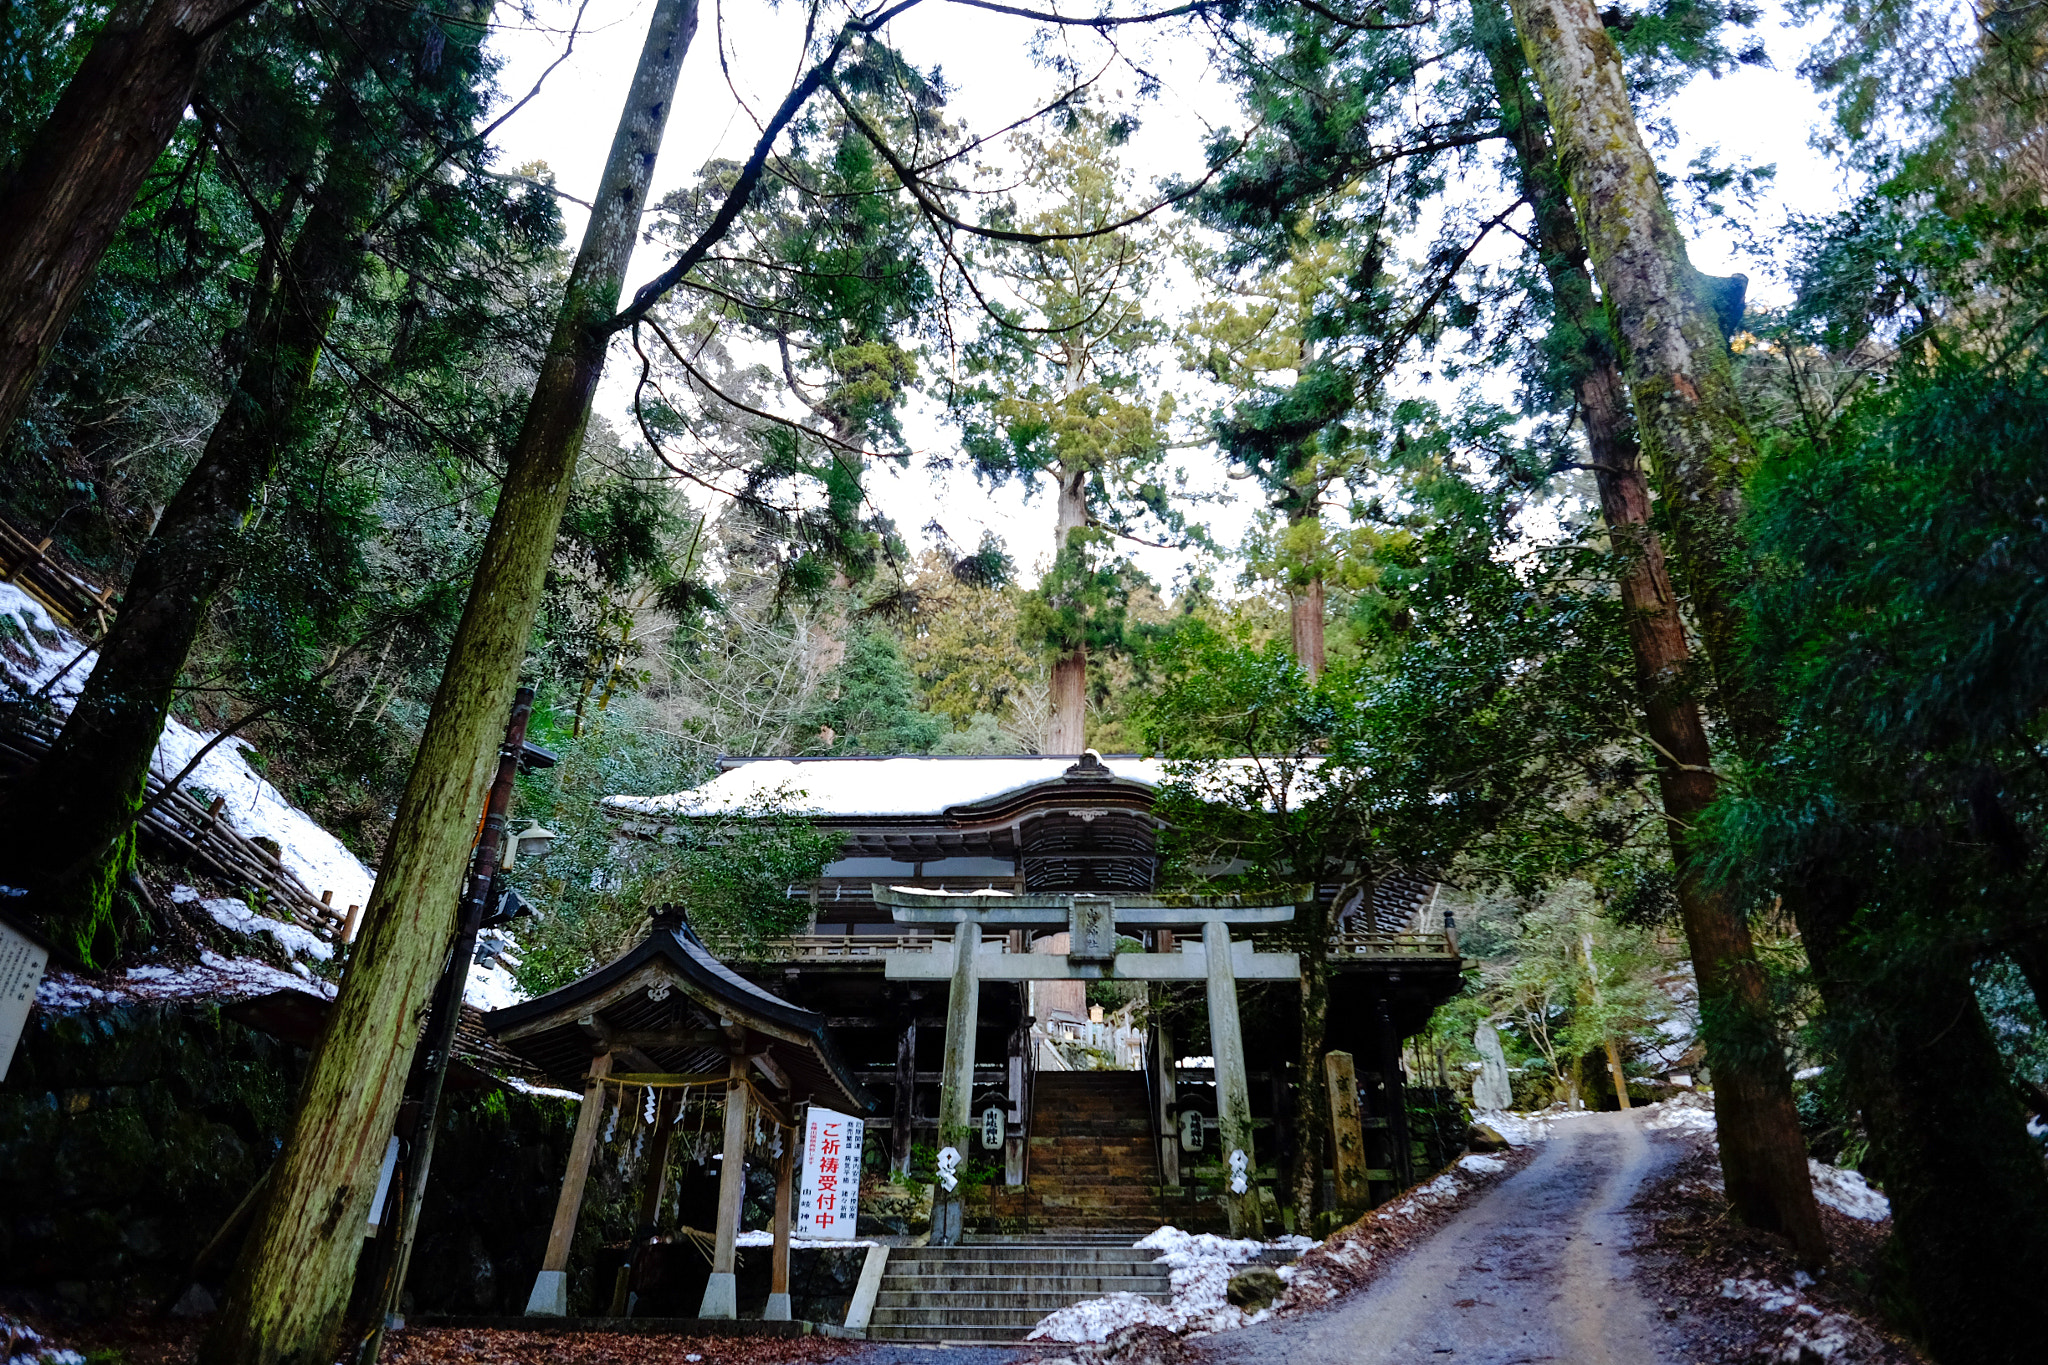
(25, 1346)
(1521, 1129)
(237, 978)
(1848, 1192)
(529, 1088)
(491, 987)
(764, 1238)
(1811, 1332)
(230, 913)
(1688, 1112)
(1807, 1073)
(1199, 1266)
(1482, 1165)
(254, 807)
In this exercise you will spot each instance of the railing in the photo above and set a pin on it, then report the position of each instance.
(1392, 945)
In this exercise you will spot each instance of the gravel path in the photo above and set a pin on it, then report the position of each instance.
(1531, 1272)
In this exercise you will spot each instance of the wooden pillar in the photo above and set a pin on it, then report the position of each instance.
(1397, 1096)
(1233, 1089)
(721, 1292)
(956, 1077)
(1348, 1165)
(904, 1112)
(652, 1182)
(1165, 1078)
(778, 1259)
(550, 1297)
(1013, 1146)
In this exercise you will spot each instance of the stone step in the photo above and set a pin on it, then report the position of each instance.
(965, 1321)
(1015, 1295)
(971, 1257)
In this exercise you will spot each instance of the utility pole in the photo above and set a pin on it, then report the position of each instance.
(430, 1075)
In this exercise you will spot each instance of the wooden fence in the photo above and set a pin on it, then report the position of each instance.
(199, 836)
(30, 565)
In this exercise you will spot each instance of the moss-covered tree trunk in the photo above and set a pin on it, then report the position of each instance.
(291, 1285)
(1311, 1105)
(1763, 1154)
(78, 179)
(1673, 355)
(1948, 1137)
(76, 811)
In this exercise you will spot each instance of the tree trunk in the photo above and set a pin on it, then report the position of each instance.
(1070, 669)
(78, 808)
(1305, 612)
(1948, 1141)
(290, 1288)
(1763, 1153)
(1673, 354)
(79, 177)
(1311, 1104)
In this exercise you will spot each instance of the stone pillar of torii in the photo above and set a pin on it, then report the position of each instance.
(1092, 923)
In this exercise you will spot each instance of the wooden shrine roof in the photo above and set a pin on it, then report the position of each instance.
(668, 1006)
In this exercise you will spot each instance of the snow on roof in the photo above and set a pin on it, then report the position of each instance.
(254, 807)
(872, 786)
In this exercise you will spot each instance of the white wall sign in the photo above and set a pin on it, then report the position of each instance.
(22, 960)
(828, 1197)
(991, 1128)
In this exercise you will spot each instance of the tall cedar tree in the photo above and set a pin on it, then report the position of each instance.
(1752, 1109)
(1675, 360)
(292, 1281)
(1060, 392)
(63, 203)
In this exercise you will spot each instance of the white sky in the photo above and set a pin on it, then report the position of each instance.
(1763, 116)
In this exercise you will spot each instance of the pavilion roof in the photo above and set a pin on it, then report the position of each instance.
(667, 1005)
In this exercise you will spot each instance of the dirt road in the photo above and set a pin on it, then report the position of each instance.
(1531, 1272)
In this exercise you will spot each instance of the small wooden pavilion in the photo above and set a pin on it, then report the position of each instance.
(670, 1017)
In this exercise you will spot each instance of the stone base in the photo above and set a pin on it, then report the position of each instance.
(721, 1296)
(777, 1309)
(550, 1297)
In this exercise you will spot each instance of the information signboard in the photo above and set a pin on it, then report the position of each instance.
(22, 960)
(828, 1197)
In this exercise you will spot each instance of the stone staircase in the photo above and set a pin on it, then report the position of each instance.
(997, 1289)
(1092, 1166)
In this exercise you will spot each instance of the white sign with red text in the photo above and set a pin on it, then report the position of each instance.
(828, 1197)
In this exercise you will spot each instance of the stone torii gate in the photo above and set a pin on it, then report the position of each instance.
(1091, 923)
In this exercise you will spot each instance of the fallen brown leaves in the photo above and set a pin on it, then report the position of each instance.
(493, 1346)
(1689, 1247)
(143, 1340)
(1359, 1253)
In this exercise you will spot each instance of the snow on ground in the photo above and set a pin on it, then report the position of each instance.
(254, 807)
(1843, 1190)
(230, 913)
(529, 1088)
(761, 1237)
(1199, 1266)
(1521, 1129)
(213, 976)
(24, 1346)
(1687, 1111)
(1811, 1333)
(1847, 1192)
